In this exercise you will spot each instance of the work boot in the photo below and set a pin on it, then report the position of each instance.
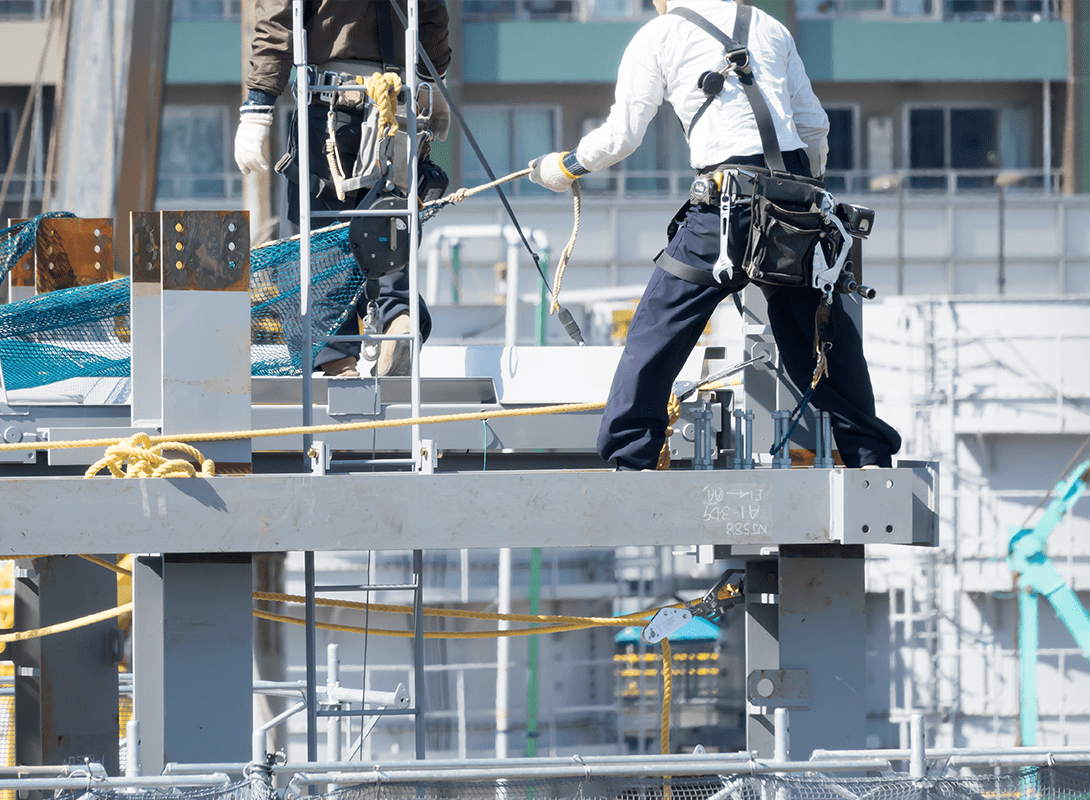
(395, 358)
(341, 368)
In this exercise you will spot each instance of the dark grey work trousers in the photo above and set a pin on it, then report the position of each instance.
(394, 292)
(672, 315)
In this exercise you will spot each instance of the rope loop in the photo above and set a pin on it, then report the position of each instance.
(137, 457)
(383, 88)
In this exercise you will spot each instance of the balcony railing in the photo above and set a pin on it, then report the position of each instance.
(583, 10)
(969, 10)
(675, 183)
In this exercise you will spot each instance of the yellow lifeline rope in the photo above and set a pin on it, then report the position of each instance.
(563, 624)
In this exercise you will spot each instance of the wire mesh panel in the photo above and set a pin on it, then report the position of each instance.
(84, 332)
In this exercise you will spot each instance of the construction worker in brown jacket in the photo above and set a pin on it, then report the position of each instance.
(348, 41)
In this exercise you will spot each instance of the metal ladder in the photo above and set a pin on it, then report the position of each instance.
(420, 462)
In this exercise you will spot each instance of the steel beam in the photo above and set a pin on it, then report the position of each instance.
(476, 510)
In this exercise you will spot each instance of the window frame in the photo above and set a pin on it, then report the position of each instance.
(468, 156)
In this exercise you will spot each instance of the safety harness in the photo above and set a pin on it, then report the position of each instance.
(796, 236)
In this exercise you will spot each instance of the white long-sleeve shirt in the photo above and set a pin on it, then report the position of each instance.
(663, 62)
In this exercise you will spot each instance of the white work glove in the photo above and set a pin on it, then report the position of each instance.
(548, 171)
(254, 125)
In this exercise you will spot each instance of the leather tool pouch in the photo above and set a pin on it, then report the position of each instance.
(785, 227)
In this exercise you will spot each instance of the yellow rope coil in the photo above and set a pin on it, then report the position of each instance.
(146, 460)
(383, 89)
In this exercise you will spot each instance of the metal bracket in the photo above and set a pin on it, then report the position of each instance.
(779, 688)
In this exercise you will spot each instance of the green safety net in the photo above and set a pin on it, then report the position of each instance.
(84, 332)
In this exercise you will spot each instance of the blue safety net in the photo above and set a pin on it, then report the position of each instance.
(84, 332)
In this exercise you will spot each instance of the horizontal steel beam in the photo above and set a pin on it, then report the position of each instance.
(68, 515)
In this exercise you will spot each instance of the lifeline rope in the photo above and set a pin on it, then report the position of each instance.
(568, 408)
(60, 627)
(667, 698)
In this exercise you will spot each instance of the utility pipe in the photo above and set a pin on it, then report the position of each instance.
(503, 649)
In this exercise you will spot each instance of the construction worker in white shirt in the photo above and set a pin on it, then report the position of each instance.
(665, 61)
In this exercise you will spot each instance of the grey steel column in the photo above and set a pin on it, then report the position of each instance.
(806, 648)
(66, 683)
(193, 658)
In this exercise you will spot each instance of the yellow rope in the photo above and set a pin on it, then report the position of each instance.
(146, 460)
(329, 428)
(623, 620)
(673, 411)
(496, 634)
(567, 251)
(667, 697)
(383, 88)
(60, 627)
(108, 565)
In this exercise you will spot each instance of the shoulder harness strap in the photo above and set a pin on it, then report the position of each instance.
(738, 55)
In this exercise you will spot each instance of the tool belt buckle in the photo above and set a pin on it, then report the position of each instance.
(329, 79)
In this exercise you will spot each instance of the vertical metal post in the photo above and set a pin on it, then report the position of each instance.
(1027, 659)
(747, 463)
(302, 94)
(917, 767)
(900, 237)
(781, 733)
(1046, 124)
(1002, 271)
(739, 437)
(132, 748)
(412, 85)
(333, 737)
(311, 657)
(418, 642)
(502, 651)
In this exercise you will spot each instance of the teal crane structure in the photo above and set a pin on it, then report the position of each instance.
(1027, 556)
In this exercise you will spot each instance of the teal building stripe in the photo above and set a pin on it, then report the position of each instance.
(205, 52)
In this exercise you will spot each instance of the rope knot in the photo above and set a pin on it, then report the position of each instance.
(137, 457)
(383, 88)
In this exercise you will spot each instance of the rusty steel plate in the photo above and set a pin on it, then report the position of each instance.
(206, 250)
(73, 252)
(22, 274)
(147, 256)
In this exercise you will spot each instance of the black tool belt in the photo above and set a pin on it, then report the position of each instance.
(710, 183)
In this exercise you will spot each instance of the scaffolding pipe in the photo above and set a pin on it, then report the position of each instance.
(503, 649)
(374, 773)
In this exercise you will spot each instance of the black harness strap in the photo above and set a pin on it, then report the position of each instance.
(701, 277)
(739, 55)
(386, 38)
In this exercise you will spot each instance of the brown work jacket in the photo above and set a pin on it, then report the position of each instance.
(337, 30)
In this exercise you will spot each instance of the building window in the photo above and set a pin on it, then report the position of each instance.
(7, 135)
(509, 138)
(207, 10)
(196, 163)
(23, 9)
(843, 162)
(504, 10)
(952, 147)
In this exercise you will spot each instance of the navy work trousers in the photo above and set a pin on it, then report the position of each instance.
(394, 294)
(672, 315)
